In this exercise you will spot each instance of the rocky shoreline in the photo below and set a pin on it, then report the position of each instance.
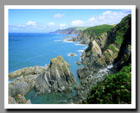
(56, 77)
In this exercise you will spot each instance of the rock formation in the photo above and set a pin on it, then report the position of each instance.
(19, 99)
(57, 77)
(25, 80)
(54, 77)
(91, 33)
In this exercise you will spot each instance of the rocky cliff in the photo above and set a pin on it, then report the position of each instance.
(110, 48)
(91, 33)
(54, 77)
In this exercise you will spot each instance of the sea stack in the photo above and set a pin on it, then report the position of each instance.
(56, 78)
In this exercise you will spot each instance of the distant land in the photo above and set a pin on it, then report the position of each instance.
(70, 30)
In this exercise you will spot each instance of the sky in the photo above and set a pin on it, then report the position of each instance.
(48, 20)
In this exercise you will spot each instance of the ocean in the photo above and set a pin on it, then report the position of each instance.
(31, 49)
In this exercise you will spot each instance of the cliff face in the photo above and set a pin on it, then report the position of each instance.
(110, 48)
(92, 33)
(103, 50)
(54, 77)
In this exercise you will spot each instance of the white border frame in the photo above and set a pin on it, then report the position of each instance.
(71, 106)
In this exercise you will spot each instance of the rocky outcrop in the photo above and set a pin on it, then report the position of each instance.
(25, 80)
(19, 99)
(91, 33)
(83, 38)
(11, 100)
(26, 71)
(57, 77)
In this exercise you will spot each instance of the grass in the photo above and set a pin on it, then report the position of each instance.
(98, 30)
(113, 48)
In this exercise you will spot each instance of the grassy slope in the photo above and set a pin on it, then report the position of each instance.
(98, 30)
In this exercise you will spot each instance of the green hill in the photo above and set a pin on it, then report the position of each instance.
(98, 30)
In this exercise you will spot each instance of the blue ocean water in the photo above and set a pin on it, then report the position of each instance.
(30, 49)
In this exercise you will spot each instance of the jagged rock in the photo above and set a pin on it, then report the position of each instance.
(20, 99)
(83, 38)
(72, 54)
(82, 73)
(25, 80)
(26, 71)
(18, 87)
(102, 40)
(11, 100)
(22, 85)
(78, 63)
(92, 53)
(57, 77)
(28, 102)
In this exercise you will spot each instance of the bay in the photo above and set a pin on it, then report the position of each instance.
(31, 49)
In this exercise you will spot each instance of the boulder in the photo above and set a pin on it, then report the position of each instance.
(78, 63)
(19, 99)
(72, 54)
(11, 100)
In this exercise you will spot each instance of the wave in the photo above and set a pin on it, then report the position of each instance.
(80, 51)
(67, 41)
(77, 44)
(105, 70)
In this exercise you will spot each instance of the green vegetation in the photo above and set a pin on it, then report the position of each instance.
(113, 48)
(79, 28)
(114, 89)
(123, 27)
(98, 30)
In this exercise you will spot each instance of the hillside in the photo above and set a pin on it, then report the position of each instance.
(71, 30)
(93, 32)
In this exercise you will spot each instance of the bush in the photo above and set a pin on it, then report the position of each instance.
(114, 89)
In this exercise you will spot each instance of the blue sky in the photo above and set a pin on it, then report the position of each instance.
(47, 20)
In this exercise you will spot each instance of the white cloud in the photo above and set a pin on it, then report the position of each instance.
(91, 19)
(32, 23)
(111, 17)
(58, 15)
(51, 24)
(107, 17)
(77, 23)
(62, 26)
